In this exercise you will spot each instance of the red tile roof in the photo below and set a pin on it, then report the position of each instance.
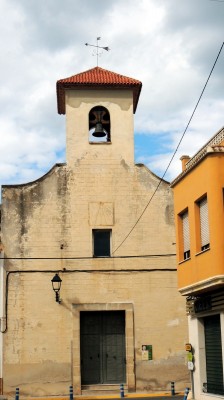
(97, 78)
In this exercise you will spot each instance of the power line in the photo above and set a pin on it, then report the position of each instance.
(65, 271)
(89, 271)
(178, 145)
(90, 258)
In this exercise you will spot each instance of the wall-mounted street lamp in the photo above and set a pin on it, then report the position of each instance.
(56, 285)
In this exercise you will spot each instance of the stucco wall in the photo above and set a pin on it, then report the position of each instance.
(53, 218)
(47, 227)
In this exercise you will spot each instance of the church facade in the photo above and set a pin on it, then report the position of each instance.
(84, 229)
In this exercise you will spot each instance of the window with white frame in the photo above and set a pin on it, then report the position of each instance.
(186, 234)
(204, 225)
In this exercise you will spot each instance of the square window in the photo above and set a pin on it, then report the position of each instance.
(101, 242)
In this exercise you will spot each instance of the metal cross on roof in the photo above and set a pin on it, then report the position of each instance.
(96, 52)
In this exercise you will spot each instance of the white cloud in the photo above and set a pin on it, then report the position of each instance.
(170, 46)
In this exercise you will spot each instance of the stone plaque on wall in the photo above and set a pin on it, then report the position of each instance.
(101, 214)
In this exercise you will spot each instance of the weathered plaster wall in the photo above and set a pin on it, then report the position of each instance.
(120, 105)
(54, 218)
(47, 227)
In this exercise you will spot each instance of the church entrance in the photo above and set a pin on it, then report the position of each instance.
(103, 356)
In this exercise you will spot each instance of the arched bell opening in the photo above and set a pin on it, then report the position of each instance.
(99, 125)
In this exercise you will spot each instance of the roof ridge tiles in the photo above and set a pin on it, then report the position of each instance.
(94, 78)
(100, 76)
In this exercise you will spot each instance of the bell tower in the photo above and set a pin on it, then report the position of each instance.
(99, 107)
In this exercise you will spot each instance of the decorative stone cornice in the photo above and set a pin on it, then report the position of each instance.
(198, 287)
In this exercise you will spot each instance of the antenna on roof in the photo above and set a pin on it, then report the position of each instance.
(96, 52)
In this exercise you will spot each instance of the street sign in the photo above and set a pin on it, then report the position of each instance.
(190, 365)
(189, 356)
(188, 347)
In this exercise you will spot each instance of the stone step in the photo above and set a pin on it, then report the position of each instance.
(102, 387)
(88, 390)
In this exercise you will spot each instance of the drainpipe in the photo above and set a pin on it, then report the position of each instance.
(2, 316)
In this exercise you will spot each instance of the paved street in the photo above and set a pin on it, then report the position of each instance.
(145, 396)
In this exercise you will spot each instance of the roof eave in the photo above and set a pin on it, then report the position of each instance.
(189, 169)
(62, 87)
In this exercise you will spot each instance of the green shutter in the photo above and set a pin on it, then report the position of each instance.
(213, 348)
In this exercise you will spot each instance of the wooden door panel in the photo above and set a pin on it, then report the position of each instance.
(102, 337)
(90, 359)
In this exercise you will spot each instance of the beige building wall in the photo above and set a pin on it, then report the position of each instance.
(120, 105)
(47, 227)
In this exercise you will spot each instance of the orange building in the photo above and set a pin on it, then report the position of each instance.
(199, 217)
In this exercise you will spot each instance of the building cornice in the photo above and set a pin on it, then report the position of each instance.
(212, 146)
(202, 286)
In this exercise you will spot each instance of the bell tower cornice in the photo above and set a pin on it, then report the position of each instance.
(97, 79)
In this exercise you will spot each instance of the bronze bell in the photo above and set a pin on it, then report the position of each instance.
(99, 131)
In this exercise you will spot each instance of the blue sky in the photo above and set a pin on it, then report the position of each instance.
(149, 147)
(170, 45)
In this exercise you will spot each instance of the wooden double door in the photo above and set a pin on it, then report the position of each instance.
(102, 337)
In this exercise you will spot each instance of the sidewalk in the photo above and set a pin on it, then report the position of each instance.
(151, 396)
(144, 396)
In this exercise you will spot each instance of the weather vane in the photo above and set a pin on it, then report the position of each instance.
(96, 52)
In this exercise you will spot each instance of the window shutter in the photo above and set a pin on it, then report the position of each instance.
(203, 207)
(213, 349)
(186, 232)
